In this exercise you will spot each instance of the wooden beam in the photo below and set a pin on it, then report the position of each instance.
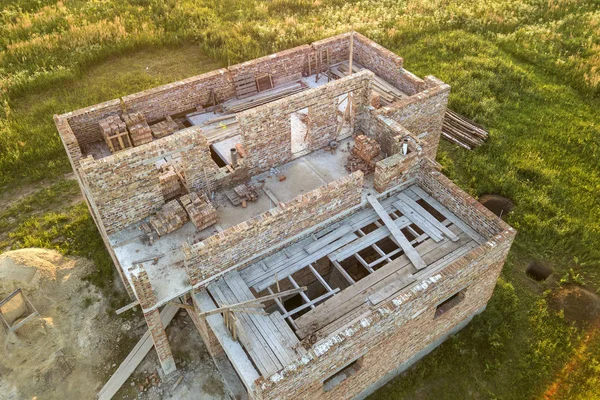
(343, 272)
(127, 307)
(427, 216)
(282, 309)
(311, 303)
(247, 303)
(410, 251)
(135, 357)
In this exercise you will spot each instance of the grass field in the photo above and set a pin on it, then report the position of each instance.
(529, 71)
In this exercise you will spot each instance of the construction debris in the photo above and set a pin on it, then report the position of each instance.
(366, 148)
(138, 128)
(246, 192)
(200, 210)
(462, 131)
(170, 218)
(114, 132)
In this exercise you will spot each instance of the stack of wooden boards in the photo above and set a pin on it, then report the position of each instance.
(170, 218)
(462, 131)
(139, 131)
(200, 210)
(221, 128)
(267, 338)
(114, 132)
(387, 92)
(257, 99)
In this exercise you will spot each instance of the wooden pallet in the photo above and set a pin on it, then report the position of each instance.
(245, 85)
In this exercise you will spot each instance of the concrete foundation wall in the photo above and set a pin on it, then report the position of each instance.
(227, 248)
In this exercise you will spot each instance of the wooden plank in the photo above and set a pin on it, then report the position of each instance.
(447, 213)
(290, 340)
(426, 215)
(135, 357)
(327, 239)
(410, 251)
(263, 324)
(285, 270)
(342, 271)
(251, 340)
(240, 361)
(418, 220)
(311, 302)
(353, 296)
(390, 289)
(367, 240)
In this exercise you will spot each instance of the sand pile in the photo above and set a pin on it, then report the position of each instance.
(58, 356)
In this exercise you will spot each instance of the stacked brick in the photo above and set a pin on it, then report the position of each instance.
(138, 128)
(364, 155)
(114, 132)
(169, 182)
(164, 128)
(200, 210)
(170, 218)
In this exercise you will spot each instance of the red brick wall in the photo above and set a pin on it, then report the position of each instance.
(394, 332)
(125, 186)
(267, 130)
(227, 248)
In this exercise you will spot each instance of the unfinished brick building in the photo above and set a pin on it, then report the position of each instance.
(293, 206)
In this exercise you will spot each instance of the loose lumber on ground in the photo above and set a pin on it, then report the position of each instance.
(242, 104)
(386, 91)
(135, 357)
(462, 131)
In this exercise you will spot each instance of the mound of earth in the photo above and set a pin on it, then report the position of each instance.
(580, 306)
(497, 204)
(61, 354)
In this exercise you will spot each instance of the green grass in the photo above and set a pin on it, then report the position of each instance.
(529, 71)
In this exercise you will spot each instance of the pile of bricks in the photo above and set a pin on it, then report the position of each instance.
(138, 128)
(115, 133)
(201, 211)
(170, 218)
(164, 128)
(364, 155)
(365, 148)
(246, 192)
(169, 182)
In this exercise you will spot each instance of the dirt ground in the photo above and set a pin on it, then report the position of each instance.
(79, 342)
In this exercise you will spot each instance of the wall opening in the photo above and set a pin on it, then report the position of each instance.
(300, 125)
(449, 303)
(343, 374)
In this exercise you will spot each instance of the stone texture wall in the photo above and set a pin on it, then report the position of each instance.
(397, 330)
(126, 187)
(395, 170)
(84, 122)
(231, 246)
(69, 140)
(423, 113)
(339, 47)
(180, 96)
(267, 130)
(482, 220)
(386, 64)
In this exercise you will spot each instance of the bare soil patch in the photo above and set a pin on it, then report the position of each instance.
(579, 305)
(66, 355)
(497, 204)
